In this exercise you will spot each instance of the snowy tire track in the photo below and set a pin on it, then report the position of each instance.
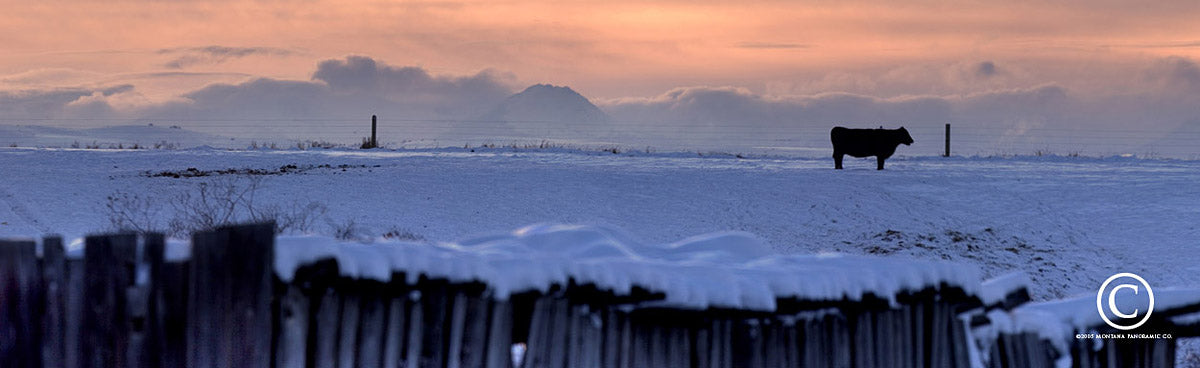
(21, 212)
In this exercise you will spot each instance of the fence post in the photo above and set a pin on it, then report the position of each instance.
(54, 275)
(499, 339)
(325, 320)
(474, 342)
(347, 346)
(230, 291)
(19, 279)
(74, 288)
(109, 266)
(170, 290)
(292, 340)
(374, 142)
(947, 140)
(397, 319)
(435, 303)
(159, 333)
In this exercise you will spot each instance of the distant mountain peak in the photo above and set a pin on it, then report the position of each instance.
(546, 102)
(548, 90)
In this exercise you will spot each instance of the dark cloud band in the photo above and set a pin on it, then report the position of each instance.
(188, 56)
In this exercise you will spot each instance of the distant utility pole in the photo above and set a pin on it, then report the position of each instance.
(947, 140)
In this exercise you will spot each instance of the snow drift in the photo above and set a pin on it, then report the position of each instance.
(726, 270)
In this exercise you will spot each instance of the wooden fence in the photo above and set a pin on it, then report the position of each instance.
(123, 305)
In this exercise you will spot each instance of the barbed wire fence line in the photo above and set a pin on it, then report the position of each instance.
(741, 136)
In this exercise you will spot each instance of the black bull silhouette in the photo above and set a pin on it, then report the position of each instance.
(880, 143)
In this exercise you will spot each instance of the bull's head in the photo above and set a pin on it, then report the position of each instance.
(902, 135)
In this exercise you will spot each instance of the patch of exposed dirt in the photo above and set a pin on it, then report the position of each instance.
(192, 172)
(995, 253)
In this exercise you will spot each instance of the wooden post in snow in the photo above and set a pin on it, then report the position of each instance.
(19, 302)
(499, 338)
(54, 274)
(436, 302)
(230, 292)
(347, 342)
(397, 318)
(373, 306)
(109, 266)
(947, 140)
(170, 282)
(73, 310)
(154, 320)
(373, 140)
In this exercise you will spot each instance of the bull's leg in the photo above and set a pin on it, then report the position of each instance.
(837, 160)
(880, 161)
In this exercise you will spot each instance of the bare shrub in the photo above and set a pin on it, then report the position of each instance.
(134, 212)
(221, 201)
(346, 230)
(292, 218)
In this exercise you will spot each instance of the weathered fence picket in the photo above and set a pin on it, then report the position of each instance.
(171, 282)
(435, 303)
(19, 290)
(292, 340)
(54, 280)
(499, 335)
(397, 316)
(324, 306)
(109, 266)
(416, 328)
(73, 331)
(348, 325)
(230, 292)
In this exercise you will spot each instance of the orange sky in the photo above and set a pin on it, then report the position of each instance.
(605, 49)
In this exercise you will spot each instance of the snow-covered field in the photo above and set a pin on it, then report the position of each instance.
(1068, 222)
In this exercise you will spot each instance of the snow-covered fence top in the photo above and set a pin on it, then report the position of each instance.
(1059, 321)
(723, 270)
